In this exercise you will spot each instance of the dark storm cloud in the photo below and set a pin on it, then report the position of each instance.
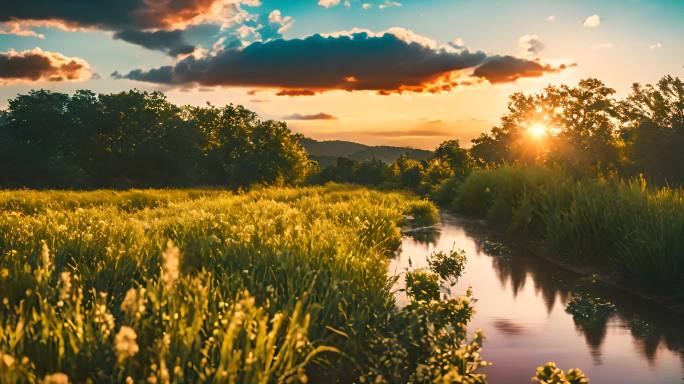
(171, 42)
(128, 18)
(317, 116)
(39, 65)
(503, 69)
(359, 61)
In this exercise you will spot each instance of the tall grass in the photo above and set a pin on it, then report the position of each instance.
(619, 225)
(272, 285)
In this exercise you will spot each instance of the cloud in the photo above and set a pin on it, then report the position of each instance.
(593, 21)
(388, 4)
(171, 42)
(530, 45)
(504, 69)
(273, 26)
(366, 6)
(154, 24)
(328, 3)
(317, 116)
(655, 46)
(38, 65)
(393, 61)
(18, 29)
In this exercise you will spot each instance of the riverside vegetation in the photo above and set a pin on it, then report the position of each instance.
(289, 284)
(272, 285)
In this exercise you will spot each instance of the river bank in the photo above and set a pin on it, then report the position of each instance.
(526, 306)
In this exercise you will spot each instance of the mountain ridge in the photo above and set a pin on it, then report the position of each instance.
(326, 152)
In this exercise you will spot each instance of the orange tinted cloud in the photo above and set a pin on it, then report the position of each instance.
(38, 65)
(153, 24)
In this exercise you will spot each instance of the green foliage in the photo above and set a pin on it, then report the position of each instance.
(588, 309)
(590, 132)
(426, 342)
(607, 222)
(448, 266)
(653, 130)
(549, 373)
(449, 161)
(136, 138)
(423, 212)
(272, 285)
(422, 285)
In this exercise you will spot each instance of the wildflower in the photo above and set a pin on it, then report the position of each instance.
(6, 360)
(105, 319)
(125, 343)
(45, 255)
(130, 302)
(170, 268)
(46, 263)
(64, 285)
(56, 378)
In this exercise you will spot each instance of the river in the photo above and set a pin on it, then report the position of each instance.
(521, 302)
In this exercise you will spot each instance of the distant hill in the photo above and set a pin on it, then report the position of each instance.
(327, 152)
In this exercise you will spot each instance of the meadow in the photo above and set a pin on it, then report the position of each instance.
(202, 285)
(625, 228)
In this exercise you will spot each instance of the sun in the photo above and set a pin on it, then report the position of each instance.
(537, 131)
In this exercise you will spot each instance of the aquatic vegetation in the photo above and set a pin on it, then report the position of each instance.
(448, 266)
(549, 373)
(422, 285)
(495, 248)
(423, 213)
(589, 309)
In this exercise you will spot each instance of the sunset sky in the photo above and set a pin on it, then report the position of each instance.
(405, 72)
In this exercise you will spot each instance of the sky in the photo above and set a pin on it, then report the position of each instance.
(406, 72)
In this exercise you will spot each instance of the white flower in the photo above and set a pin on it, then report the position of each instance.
(64, 285)
(171, 264)
(45, 255)
(125, 343)
(130, 303)
(56, 378)
(6, 359)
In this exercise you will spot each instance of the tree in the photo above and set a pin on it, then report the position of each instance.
(140, 139)
(578, 126)
(652, 126)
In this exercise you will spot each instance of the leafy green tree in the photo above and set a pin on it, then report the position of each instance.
(138, 139)
(578, 130)
(652, 126)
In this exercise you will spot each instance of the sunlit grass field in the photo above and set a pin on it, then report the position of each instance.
(271, 285)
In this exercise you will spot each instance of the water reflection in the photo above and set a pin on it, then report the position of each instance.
(426, 236)
(509, 327)
(533, 311)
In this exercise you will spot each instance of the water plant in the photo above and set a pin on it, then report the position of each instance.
(448, 266)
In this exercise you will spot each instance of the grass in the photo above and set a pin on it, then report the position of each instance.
(271, 285)
(622, 226)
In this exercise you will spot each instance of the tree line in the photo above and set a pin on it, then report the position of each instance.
(584, 131)
(140, 139)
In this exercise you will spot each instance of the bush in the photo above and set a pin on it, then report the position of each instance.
(423, 212)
